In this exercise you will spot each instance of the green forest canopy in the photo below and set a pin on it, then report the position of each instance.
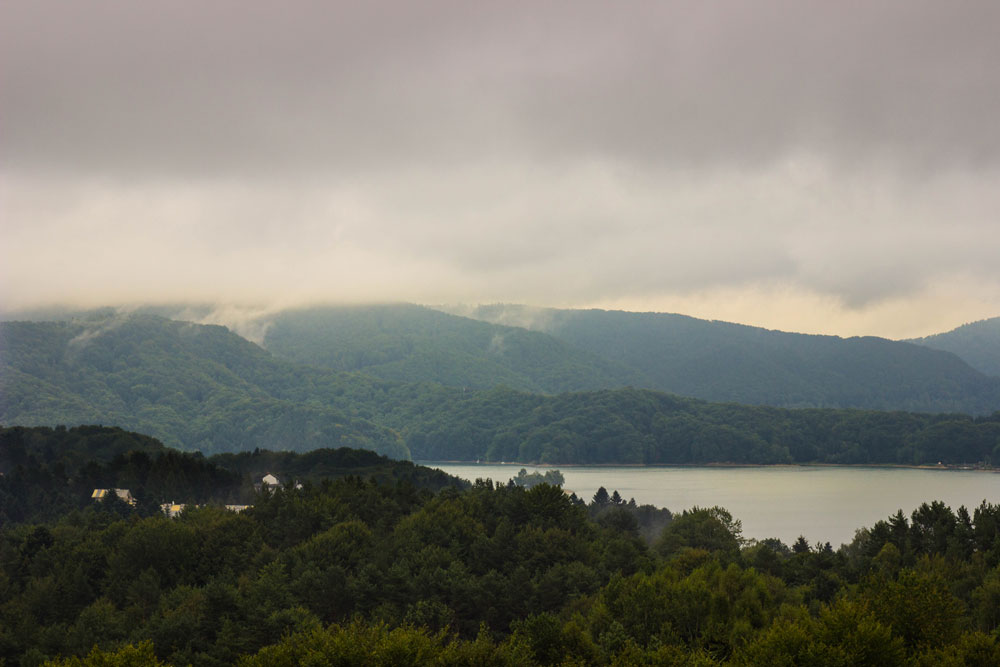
(358, 571)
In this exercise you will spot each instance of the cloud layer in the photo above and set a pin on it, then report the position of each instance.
(819, 166)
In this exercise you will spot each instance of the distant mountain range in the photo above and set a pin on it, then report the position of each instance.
(720, 361)
(553, 351)
(203, 387)
(550, 351)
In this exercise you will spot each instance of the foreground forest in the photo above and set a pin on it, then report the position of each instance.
(358, 571)
(204, 388)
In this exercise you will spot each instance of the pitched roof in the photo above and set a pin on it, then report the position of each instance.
(124, 494)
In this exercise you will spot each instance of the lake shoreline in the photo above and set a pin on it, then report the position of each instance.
(886, 466)
(825, 502)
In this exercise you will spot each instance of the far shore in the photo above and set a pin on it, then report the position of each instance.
(968, 468)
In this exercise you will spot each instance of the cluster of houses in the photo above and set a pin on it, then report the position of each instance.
(173, 509)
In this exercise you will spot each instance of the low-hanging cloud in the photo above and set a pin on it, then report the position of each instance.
(556, 153)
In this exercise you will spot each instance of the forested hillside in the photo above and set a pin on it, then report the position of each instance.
(977, 343)
(192, 386)
(719, 361)
(415, 344)
(202, 387)
(553, 351)
(646, 427)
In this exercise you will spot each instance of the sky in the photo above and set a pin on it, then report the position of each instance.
(822, 167)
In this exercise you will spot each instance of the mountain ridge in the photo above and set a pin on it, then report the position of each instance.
(205, 388)
(722, 361)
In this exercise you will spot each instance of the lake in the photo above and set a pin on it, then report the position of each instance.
(823, 503)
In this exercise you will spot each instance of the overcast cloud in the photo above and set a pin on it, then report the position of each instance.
(812, 166)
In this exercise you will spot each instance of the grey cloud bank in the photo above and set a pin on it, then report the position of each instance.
(813, 166)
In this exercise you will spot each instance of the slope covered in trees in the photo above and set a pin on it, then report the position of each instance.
(357, 573)
(415, 344)
(977, 343)
(191, 386)
(645, 427)
(202, 387)
(552, 351)
(719, 361)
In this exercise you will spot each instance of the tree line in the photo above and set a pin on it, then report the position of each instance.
(645, 427)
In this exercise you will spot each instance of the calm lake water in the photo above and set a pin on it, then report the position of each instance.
(826, 504)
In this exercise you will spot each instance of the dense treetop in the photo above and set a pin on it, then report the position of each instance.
(354, 571)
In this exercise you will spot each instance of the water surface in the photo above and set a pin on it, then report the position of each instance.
(823, 503)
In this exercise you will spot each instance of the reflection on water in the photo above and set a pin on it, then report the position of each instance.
(826, 504)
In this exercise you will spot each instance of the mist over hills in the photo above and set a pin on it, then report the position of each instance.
(192, 386)
(203, 387)
(413, 343)
(550, 351)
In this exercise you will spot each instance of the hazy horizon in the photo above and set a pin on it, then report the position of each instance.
(252, 320)
(808, 167)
